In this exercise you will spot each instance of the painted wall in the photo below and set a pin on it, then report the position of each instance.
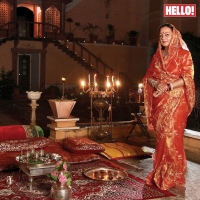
(131, 60)
(6, 56)
(125, 15)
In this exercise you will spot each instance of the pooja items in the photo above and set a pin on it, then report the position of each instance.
(38, 157)
(61, 189)
(36, 163)
(9, 180)
(105, 174)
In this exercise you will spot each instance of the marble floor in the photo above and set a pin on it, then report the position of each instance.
(141, 167)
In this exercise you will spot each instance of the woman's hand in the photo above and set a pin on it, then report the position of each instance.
(157, 93)
(160, 88)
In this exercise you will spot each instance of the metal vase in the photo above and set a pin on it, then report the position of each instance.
(60, 192)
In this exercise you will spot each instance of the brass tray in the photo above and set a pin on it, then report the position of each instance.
(105, 174)
(46, 159)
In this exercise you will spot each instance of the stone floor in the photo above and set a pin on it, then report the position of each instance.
(140, 168)
(19, 112)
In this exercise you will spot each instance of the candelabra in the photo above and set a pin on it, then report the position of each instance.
(101, 104)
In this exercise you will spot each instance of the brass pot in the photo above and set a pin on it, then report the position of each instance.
(60, 192)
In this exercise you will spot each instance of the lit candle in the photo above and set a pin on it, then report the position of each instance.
(63, 79)
(94, 78)
(88, 78)
(117, 83)
(108, 84)
(140, 85)
(140, 88)
(83, 83)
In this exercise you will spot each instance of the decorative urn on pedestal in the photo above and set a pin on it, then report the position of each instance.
(61, 108)
(33, 96)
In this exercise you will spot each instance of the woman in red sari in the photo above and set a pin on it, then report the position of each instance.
(169, 97)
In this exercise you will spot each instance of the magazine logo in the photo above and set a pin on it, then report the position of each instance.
(179, 10)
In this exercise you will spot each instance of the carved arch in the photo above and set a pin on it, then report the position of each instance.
(52, 16)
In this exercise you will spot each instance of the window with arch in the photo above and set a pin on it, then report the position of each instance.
(52, 16)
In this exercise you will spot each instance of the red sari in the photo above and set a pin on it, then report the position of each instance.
(167, 114)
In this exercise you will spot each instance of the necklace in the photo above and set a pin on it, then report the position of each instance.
(164, 53)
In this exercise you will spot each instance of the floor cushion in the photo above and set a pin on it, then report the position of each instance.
(24, 145)
(19, 132)
(8, 159)
(81, 145)
(119, 150)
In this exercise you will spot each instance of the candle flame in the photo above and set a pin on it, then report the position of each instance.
(117, 83)
(83, 83)
(108, 84)
(140, 85)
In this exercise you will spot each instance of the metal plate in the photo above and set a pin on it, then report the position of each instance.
(105, 174)
(46, 159)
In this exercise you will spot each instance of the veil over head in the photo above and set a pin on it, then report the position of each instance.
(176, 42)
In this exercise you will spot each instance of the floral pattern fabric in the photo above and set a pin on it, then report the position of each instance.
(27, 144)
(167, 114)
(131, 188)
(81, 145)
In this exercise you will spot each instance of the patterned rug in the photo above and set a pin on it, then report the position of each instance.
(131, 188)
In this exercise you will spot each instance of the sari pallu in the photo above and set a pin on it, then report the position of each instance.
(167, 116)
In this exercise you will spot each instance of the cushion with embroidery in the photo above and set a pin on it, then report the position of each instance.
(81, 145)
(8, 159)
(20, 132)
(56, 147)
(119, 150)
(26, 144)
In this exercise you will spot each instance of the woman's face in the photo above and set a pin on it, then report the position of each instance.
(165, 36)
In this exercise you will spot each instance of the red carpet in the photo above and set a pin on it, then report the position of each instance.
(131, 188)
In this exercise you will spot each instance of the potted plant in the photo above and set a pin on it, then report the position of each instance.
(111, 35)
(61, 108)
(71, 32)
(133, 35)
(90, 29)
